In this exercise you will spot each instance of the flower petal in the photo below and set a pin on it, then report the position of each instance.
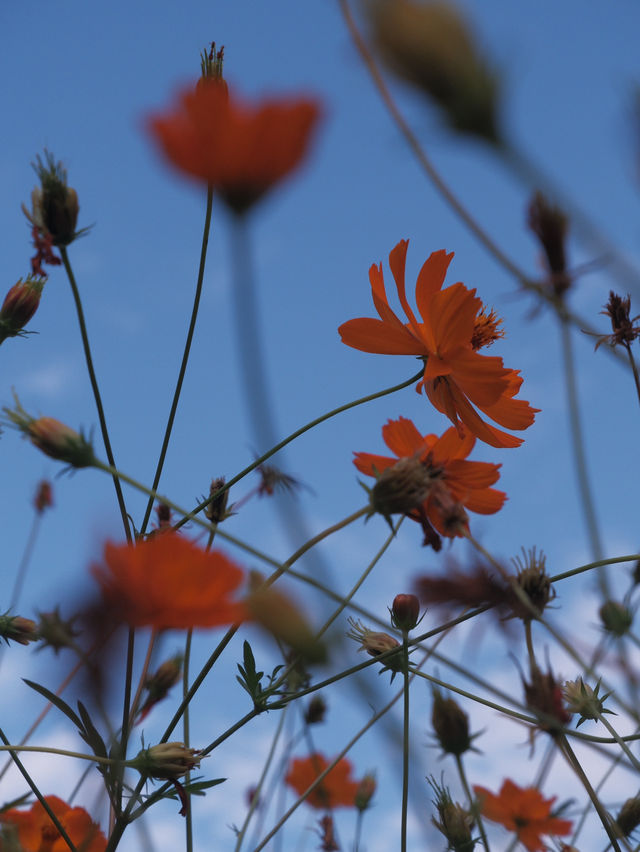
(373, 335)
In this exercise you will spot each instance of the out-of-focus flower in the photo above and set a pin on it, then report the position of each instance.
(216, 510)
(240, 150)
(56, 632)
(44, 497)
(337, 789)
(159, 683)
(54, 205)
(624, 328)
(37, 833)
(283, 618)
(545, 697)
(525, 811)
(550, 225)
(18, 629)
(450, 479)
(168, 582)
(366, 791)
(405, 612)
(582, 699)
(51, 436)
(19, 306)
(327, 832)
(457, 379)
(316, 710)
(629, 817)
(616, 618)
(451, 725)
(272, 479)
(430, 45)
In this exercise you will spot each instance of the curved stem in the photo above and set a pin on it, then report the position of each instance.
(95, 388)
(185, 358)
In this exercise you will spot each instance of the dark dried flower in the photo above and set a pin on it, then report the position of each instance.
(550, 225)
(474, 588)
(44, 497)
(534, 581)
(450, 724)
(216, 510)
(624, 332)
(454, 821)
(316, 710)
(54, 205)
(273, 480)
(545, 697)
(327, 834)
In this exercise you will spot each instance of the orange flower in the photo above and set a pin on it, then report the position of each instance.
(523, 810)
(336, 790)
(168, 582)
(37, 833)
(454, 324)
(240, 150)
(466, 482)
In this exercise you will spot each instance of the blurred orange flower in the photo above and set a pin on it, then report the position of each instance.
(466, 482)
(454, 325)
(37, 833)
(523, 810)
(336, 790)
(168, 582)
(240, 150)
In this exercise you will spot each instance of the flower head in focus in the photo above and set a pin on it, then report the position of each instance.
(455, 481)
(337, 789)
(457, 379)
(168, 582)
(240, 150)
(523, 810)
(37, 833)
(19, 306)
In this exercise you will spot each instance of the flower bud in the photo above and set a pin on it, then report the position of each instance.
(166, 761)
(44, 497)
(159, 683)
(403, 487)
(20, 304)
(629, 817)
(582, 699)
(54, 205)
(18, 629)
(56, 631)
(405, 612)
(430, 45)
(316, 710)
(616, 618)
(450, 724)
(365, 792)
(52, 437)
(216, 510)
(376, 643)
(550, 225)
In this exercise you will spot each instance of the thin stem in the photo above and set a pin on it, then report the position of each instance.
(620, 740)
(470, 800)
(36, 792)
(105, 761)
(405, 742)
(580, 459)
(143, 676)
(126, 710)
(186, 734)
(634, 368)
(185, 358)
(530, 649)
(24, 562)
(292, 437)
(96, 390)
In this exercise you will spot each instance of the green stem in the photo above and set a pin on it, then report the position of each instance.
(405, 742)
(20, 766)
(470, 800)
(186, 735)
(185, 358)
(24, 562)
(95, 388)
(582, 568)
(620, 740)
(580, 459)
(634, 369)
(292, 437)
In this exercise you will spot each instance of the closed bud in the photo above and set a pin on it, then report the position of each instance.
(545, 697)
(216, 510)
(44, 497)
(159, 683)
(454, 821)
(365, 792)
(430, 46)
(550, 225)
(316, 710)
(20, 304)
(450, 724)
(405, 612)
(629, 817)
(616, 618)
(166, 761)
(582, 699)
(15, 628)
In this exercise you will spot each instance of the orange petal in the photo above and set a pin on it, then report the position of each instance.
(372, 335)
(452, 317)
(397, 260)
(431, 278)
(372, 465)
(472, 420)
(486, 501)
(402, 437)
(451, 445)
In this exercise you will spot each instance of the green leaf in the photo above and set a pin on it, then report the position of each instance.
(90, 734)
(56, 701)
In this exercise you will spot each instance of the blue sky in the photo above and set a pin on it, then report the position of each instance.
(83, 78)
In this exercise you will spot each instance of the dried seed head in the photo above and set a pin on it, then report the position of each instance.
(376, 643)
(403, 487)
(550, 225)
(455, 822)
(582, 699)
(450, 724)
(534, 581)
(624, 329)
(54, 205)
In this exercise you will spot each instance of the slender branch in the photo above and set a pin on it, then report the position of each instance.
(405, 742)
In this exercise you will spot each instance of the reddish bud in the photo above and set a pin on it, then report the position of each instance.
(44, 497)
(20, 304)
(18, 629)
(405, 612)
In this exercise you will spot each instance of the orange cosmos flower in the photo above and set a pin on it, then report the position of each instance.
(37, 833)
(453, 325)
(466, 482)
(168, 582)
(336, 790)
(240, 150)
(523, 810)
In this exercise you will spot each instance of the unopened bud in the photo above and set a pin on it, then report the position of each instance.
(216, 510)
(20, 304)
(405, 612)
(365, 792)
(616, 618)
(451, 725)
(54, 205)
(545, 697)
(582, 699)
(15, 628)
(629, 817)
(159, 683)
(166, 761)
(550, 225)
(316, 710)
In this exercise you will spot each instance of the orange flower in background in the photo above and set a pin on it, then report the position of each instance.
(239, 149)
(454, 324)
(37, 833)
(337, 789)
(523, 810)
(464, 482)
(169, 582)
